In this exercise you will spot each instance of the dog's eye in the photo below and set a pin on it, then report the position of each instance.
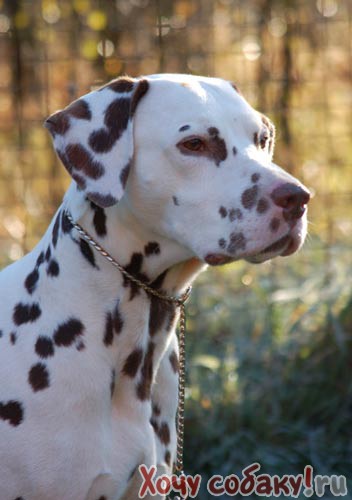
(194, 144)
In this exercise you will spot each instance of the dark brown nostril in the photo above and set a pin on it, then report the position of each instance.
(292, 198)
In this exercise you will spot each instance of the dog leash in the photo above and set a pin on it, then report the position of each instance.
(179, 302)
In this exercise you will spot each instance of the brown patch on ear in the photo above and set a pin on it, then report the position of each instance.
(79, 109)
(80, 181)
(117, 115)
(116, 120)
(124, 174)
(102, 200)
(80, 158)
(58, 123)
(120, 85)
(142, 88)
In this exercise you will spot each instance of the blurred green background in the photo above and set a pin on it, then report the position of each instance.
(269, 346)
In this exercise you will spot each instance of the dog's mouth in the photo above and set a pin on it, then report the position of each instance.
(283, 247)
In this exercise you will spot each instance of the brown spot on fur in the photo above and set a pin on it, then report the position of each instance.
(164, 433)
(68, 332)
(152, 248)
(58, 123)
(156, 410)
(142, 88)
(109, 332)
(133, 363)
(117, 115)
(237, 242)
(234, 150)
(174, 361)
(274, 224)
(117, 321)
(135, 269)
(79, 109)
(161, 312)
(56, 228)
(249, 197)
(99, 220)
(102, 140)
(66, 226)
(116, 120)
(223, 212)
(112, 383)
(12, 411)
(124, 174)
(222, 243)
(235, 214)
(87, 252)
(255, 177)
(144, 386)
(79, 158)
(217, 146)
(102, 200)
(38, 377)
(81, 182)
(120, 85)
(262, 206)
(31, 280)
(213, 131)
(154, 424)
(167, 458)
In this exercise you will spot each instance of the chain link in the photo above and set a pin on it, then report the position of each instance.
(179, 302)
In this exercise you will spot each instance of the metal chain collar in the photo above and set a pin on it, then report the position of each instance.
(179, 302)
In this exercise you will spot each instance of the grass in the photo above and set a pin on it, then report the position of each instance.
(269, 367)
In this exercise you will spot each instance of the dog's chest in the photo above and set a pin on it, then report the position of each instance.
(84, 361)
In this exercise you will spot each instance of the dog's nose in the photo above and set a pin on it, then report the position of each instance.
(292, 198)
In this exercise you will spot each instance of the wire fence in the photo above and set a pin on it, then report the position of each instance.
(268, 347)
(292, 59)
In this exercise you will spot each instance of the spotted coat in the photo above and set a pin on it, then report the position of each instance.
(170, 173)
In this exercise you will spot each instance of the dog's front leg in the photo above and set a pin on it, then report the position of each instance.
(163, 421)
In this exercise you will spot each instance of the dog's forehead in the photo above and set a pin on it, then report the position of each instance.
(183, 99)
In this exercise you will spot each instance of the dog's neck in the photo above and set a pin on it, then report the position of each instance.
(142, 252)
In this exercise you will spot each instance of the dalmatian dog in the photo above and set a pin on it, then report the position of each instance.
(169, 173)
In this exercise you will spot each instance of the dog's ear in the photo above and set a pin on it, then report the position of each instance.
(93, 137)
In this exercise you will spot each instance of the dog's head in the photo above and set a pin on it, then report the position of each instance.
(193, 160)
